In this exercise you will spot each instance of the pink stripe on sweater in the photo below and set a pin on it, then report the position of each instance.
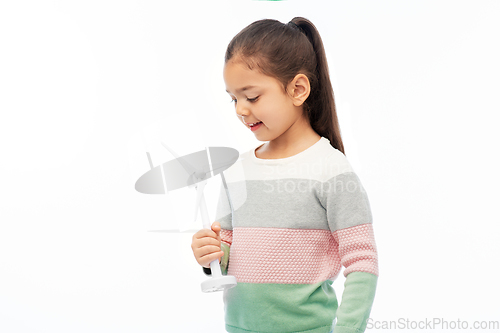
(287, 256)
(357, 249)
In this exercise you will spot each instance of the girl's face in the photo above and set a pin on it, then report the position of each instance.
(261, 98)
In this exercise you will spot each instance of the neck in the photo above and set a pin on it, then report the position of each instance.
(297, 138)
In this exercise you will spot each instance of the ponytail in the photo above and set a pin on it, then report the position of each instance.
(285, 50)
(321, 108)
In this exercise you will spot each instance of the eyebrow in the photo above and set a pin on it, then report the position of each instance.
(243, 89)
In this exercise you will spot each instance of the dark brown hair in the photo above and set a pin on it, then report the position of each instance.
(284, 50)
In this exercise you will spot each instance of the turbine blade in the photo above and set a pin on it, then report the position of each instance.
(189, 168)
(199, 192)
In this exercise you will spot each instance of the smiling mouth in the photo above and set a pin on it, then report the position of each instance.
(254, 124)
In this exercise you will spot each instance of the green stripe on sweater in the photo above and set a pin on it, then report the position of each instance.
(258, 307)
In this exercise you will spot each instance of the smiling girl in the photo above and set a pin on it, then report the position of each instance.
(288, 242)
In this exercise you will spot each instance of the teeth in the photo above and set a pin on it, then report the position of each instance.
(253, 124)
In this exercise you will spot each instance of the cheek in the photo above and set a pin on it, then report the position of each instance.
(268, 113)
(276, 112)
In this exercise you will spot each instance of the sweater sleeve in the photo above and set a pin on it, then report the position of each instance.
(357, 300)
(359, 257)
(350, 221)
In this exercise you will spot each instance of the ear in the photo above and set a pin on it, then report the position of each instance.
(299, 89)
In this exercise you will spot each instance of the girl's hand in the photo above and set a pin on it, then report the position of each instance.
(206, 245)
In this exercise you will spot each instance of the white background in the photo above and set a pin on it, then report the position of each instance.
(87, 87)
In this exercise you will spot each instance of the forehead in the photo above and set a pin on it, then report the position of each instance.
(239, 77)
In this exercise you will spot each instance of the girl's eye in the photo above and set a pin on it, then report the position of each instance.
(251, 100)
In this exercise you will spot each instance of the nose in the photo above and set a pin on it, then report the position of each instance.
(241, 110)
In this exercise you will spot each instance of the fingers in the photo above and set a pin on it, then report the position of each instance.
(205, 241)
(216, 228)
(205, 255)
(205, 260)
(214, 232)
(206, 245)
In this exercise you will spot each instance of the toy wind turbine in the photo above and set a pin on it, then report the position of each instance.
(193, 170)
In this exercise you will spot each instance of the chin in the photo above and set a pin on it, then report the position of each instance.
(259, 138)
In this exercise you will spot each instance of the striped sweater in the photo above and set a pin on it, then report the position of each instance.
(302, 218)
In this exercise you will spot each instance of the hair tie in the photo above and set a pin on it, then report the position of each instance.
(293, 25)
